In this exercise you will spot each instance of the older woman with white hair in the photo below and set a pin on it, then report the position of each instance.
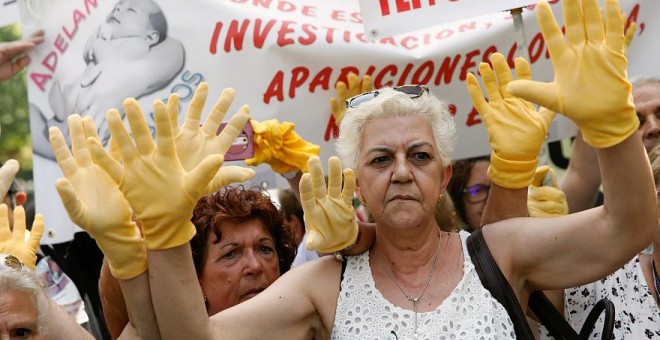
(416, 281)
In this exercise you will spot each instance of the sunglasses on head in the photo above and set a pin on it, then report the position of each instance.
(413, 91)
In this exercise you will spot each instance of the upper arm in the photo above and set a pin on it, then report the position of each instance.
(556, 253)
(293, 307)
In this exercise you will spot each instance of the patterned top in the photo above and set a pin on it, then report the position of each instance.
(469, 312)
(637, 314)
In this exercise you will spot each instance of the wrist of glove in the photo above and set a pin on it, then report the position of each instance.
(125, 251)
(546, 202)
(511, 174)
(604, 133)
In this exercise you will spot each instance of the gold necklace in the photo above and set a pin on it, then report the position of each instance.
(413, 299)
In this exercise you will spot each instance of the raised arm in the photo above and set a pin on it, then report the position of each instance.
(581, 181)
(568, 251)
(94, 202)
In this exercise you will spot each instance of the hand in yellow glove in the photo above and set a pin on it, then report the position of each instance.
(94, 202)
(590, 86)
(345, 91)
(329, 216)
(516, 131)
(279, 146)
(194, 142)
(14, 243)
(546, 201)
(160, 191)
(8, 172)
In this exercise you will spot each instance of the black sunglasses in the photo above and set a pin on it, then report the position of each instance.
(413, 91)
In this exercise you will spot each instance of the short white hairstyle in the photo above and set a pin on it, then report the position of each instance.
(391, 103)
(27, 282)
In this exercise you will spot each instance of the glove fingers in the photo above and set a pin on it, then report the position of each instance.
(543, 94)
(474, 90)
(547, 116)
(196, 106)
(103, 160)
(164, 137)
(198, 179)
(317, 178)
(342, 90)
(74, 206)
(173, 112)
(551, 32)
(8, 172)
(553, 178)
(334, 177)
(233, 129)
(228, 175)
(593, 21)
(307, 200)
(78, 141)
(502, 70)
(367, 84)
(338, 109)
(349, 187)
(62, 153)
(490, 83)
(89, 128)
(214, 119)
(616, 39)
(630, 34)
(36, 232)
(5, 233)
(573, 21)
(540, 175)
(523, 70)
(546, 194)
(121, 136)
(19, 224)
(353, 84)
(314, 239)
(141, 133)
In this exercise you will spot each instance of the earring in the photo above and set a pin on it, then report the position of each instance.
(442, 196)
(363, 201)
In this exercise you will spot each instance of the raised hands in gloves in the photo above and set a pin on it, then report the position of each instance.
(345, 91)
(195, 142)
(546, 201)
(8, 172)
(516, 131)
(590, 85)
(12, 242)
(93, 201)
(160, 191)
(329, 215)
(279, 146)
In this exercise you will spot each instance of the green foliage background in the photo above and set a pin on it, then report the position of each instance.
(14, 116)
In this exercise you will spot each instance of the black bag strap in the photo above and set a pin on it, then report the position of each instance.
(492, 278)
(604, 305)
(550, 317)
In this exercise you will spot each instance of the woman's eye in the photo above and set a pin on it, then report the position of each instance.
(230, 255)
(21, 333)
(421, 156)
(379, 160)
(266, 249)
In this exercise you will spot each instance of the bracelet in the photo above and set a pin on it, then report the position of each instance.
(339, 256)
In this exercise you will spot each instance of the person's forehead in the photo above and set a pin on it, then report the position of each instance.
(408, 129)
(646, 92)
(146, 6)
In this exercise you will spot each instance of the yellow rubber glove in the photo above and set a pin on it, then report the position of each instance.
(546, 201)
(279, 146)
(160, 191)
(590, 86)
(516, 131)
(94, 202)
(329, 216)
(8, 172)
(13, 242)
(345, 91)
(195, 142)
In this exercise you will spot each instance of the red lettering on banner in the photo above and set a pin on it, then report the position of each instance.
(343, 76)
(40, 80)
(282, 40)
(332, 128)
(328, 34)
(426, 68)
(321, 79)
(338, 15)
(298, 77)
(356, 17)
(236, 35)
(309, 11)
(260, 34)
(286, 6)
(468, 63)
(467, 27)
(378, 80)
(404, 75)
(452, 109)
(311, 36)
(401, 6)
(60, 44)
(404, 43)
(447, 69)
(486, 56)
(275, 88)
(473, 118)
(384, 8)
(536, 47)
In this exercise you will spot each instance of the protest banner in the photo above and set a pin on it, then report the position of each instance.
(283, 58)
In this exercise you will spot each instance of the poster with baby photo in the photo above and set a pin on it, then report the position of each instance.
(283, 58)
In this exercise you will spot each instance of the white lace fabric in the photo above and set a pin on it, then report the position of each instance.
(469, 312)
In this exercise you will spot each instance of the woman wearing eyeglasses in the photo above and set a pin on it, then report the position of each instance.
(468, 188)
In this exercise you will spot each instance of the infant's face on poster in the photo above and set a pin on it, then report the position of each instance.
(129, 18)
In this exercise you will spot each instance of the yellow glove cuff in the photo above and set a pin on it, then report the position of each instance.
(126, 264)
(546, 201)
(511, 174)
(167, 238)
(606, 135)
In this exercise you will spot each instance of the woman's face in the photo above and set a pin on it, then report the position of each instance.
(18, 317)
(474, 210)
(399, 173)
(240, 266)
